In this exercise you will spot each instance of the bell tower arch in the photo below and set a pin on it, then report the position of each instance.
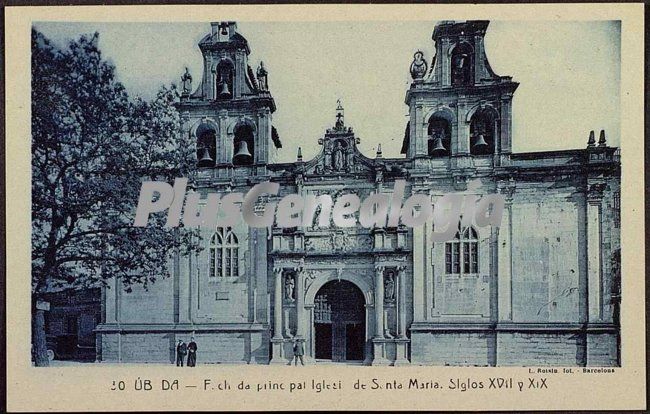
(459, 108)
(229, 114)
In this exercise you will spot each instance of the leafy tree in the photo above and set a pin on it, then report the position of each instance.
(92, 146)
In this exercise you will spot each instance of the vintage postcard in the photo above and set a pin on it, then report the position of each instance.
(431, 207)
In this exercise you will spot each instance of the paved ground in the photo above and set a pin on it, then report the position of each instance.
(68, 363)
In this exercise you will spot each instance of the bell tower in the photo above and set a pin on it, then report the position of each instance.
(460, 110)
(229, 114)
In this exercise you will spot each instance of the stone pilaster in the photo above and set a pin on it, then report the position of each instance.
(379, 301)
(277, 342)
(420, 137)
(184, 291)
(379, 342)
(594, 271)
(506, 125)
(263, 135)
(401, 301)
(495, 137)
(277, 303)
(444, 63)
(112, 301)
(418, 274)
(223, 143)
(462, 138)
(401, 343)
(300, 303)
(504, 259)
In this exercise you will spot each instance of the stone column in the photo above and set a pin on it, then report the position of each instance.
(277, 342)
(277, 300)
(367, 341)
(310, 347)
(379, 301)
(300, 303)
(379, 341)
(401, 304)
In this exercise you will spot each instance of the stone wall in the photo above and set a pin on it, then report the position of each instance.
(222, 299)
(159, 347)
(441, 348)
(147, 347)
(602, 349)
(153, 305)
(546, 256)
(513, 349)
(539, 349)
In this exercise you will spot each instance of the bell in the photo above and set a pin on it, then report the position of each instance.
(243, 156)
(206, 160)
(438, 147)
(224, 92)
(480, 142)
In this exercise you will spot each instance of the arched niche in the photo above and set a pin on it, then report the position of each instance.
(243, 144)
(483, 131)
(224, 80)
(205, 135)
(462, 65)
(439, 130)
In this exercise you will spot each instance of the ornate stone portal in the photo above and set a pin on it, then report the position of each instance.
(341, 308)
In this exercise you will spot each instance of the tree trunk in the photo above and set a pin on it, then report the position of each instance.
(39, 342)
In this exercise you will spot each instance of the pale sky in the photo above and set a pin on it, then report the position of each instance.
(569, 74)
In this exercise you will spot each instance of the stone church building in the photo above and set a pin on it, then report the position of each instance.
(542, 289)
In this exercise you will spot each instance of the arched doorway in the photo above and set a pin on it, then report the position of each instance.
(339, 322)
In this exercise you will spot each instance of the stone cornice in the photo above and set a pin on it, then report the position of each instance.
(179, 327)
(521, 327)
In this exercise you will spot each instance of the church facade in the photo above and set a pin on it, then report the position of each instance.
(541, 289)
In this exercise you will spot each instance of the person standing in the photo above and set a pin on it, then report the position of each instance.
(298, 351)
(191, 353)
(181, 350)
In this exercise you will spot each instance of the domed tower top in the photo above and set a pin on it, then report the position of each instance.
(230, 113)
(460, 108)
(226, 73)
(460, 58)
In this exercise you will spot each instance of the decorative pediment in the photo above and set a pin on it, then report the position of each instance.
(339, 154)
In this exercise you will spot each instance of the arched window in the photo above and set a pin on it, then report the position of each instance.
(206, 145)
(461, 253)
(244, 145)
(462, 67)
(224, 80)
(482, 132)
(439, 132)
(224, 253)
